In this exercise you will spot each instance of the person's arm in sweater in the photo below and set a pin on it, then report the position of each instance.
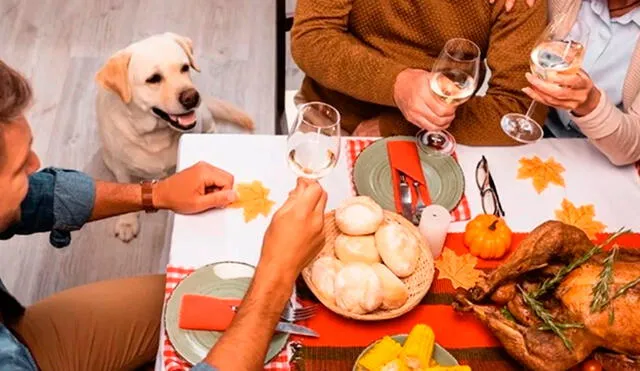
(328, 53)
(323, 48)
(513, 36)
(615, 133)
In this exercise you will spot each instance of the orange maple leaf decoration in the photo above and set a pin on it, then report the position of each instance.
(459, 269)
(253, 198)
(543, 173)
(580, 217)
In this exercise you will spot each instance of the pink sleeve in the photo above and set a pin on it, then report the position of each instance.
(613, 132)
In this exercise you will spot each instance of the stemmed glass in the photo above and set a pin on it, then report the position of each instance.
(454, 80)
(556, 52)
(313, 146)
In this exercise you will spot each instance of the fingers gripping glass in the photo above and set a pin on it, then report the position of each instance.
(490, 200)
(557, 52)
(454, 81)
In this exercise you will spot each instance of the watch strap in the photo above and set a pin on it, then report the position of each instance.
(146, 187)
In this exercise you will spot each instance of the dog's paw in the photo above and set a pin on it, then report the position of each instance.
(127, 227)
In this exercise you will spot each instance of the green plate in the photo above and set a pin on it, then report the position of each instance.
(225, 280)
(372, 176)
(440, 354)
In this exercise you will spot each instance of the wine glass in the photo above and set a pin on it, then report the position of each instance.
(557, 52)
(313, 146)
(454, 80)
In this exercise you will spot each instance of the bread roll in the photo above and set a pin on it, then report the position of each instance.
(352, 249)
(358, 288)
(398, 248)
(323, 275)
(359, 216)
(395, 292)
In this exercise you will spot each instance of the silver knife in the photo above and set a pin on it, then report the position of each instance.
(291, 328)
(405, 198)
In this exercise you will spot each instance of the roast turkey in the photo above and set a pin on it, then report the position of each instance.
(615, 340)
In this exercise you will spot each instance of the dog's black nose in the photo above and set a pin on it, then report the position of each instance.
(189, 98)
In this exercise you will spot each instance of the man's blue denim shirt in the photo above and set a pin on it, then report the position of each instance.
(58, 201)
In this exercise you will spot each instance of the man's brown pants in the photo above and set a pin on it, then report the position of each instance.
(110, 325)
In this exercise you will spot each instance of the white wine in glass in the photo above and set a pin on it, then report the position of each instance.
(454, 80)
(453, 87)
(313, 146)
(556, 53)
(557, 57)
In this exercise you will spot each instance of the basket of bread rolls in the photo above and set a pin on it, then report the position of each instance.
(375, 265)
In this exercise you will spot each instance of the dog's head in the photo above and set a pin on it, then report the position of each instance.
(154, 75)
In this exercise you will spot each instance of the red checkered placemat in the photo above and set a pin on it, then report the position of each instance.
(173, 362)
(355, 146)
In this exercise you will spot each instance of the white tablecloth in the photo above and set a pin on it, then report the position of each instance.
(222, 235)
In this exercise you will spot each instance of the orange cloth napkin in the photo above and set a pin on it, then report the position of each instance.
(403, 157)
(206, 313)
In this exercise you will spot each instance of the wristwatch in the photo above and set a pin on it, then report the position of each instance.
(146, 187)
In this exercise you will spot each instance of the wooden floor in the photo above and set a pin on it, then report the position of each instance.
(59, 45)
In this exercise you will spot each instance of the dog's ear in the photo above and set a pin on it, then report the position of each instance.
(114, 75)
(187, 45)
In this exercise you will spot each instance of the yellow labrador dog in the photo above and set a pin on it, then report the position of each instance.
(146, 100)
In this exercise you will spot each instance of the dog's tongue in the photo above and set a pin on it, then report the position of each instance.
(185, 120)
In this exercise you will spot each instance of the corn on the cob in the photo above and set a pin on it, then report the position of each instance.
(383, 352)
(395, 365)
(418, 347)
(449, 368)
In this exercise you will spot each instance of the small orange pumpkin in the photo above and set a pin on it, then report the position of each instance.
(487, 237)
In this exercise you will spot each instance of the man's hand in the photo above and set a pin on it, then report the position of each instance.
(198, 188)
(295, 236)
(417, 103)
(575, 92)
(508, 4)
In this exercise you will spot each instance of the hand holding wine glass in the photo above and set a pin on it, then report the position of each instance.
(557, 57)
(575, 93)
(313, 146)
(413, 96)
(454, 79)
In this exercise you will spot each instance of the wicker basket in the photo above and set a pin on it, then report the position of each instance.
(418, 283)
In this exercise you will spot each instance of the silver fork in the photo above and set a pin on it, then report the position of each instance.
(419, 205)
(293, 315)
(298, 314)
(405, 198)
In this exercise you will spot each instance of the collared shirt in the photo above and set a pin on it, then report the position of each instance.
(609, 50)
(59, 201)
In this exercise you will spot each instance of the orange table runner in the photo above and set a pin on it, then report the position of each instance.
(464, 336)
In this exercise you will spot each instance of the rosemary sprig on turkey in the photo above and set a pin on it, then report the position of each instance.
(550, 283)
(620, 292)
(547, 318)
(601, 288)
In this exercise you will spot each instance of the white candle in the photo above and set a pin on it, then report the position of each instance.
(434, 226)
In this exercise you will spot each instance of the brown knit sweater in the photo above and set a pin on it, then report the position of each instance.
(352, 51)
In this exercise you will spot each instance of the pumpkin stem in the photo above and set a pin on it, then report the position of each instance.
(492, 227)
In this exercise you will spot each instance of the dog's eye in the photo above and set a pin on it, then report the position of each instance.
(185, 68)
(154, 79)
